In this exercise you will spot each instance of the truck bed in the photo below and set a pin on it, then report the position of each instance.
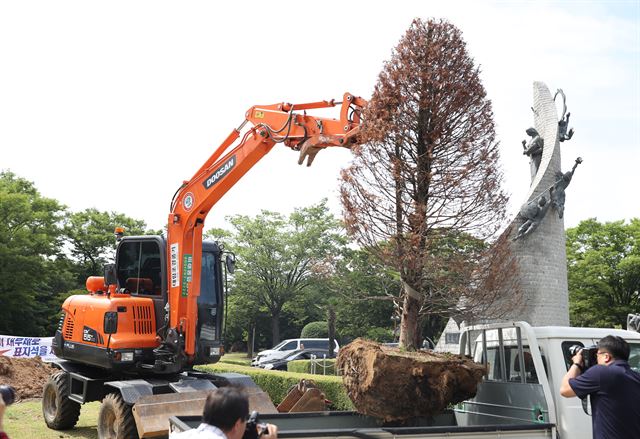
(351, 424)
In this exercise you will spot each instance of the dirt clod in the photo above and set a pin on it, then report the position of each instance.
(26, 375)
(395, 385)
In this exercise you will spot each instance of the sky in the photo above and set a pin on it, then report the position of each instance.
(112, 105)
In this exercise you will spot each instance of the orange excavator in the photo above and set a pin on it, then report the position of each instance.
(133, 340)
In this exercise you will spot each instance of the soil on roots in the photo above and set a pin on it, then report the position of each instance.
(394, 385)
(26, 375)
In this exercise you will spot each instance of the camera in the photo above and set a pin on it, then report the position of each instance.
(8, 394)
(254, 429)
(589, 355)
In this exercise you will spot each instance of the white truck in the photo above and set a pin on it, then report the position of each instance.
(518, 398)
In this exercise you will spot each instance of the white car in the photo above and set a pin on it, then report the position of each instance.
(285, 347)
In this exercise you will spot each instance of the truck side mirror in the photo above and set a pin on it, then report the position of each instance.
(110, 322)
(230, 262)
(110, 277)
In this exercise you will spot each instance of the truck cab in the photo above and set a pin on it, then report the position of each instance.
(525, 366)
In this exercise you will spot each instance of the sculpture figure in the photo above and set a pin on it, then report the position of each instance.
(563, 180)
(533, 149)
(563, 123)
(533, 212)
(633, 322)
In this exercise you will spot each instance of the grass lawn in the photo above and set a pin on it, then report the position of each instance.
(24, 421)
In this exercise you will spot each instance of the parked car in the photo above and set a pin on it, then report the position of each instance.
(285, 347)
(304, 354)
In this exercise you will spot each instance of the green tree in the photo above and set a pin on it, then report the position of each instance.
(91, 239)
(279, 257)
(32, 268)
(367, 293)
(603, 263)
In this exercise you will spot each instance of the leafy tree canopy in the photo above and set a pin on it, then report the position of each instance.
(30, 242)
(603, 263)
(91, 239)
(279, 257)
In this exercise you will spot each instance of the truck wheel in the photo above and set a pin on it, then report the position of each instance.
(115, 420)
(60, 413)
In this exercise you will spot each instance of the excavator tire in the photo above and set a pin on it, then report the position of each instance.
(60, 413)
(115, 420)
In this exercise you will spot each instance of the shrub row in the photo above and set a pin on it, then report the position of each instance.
(323, 367)
(233, 361)
(277, 383)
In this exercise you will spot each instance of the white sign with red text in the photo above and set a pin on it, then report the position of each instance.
(26, 347)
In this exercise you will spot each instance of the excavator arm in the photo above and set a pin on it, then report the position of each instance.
(283, 123)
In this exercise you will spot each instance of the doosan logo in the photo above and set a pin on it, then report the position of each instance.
(220, 172)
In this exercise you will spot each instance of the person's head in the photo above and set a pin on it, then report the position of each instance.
(228, 409)
(611, 348)
(532, 132)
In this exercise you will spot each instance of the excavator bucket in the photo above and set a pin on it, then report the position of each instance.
(152, 412)
(303, 397)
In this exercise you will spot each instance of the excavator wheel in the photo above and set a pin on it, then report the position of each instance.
(60, 413)
(115, 420)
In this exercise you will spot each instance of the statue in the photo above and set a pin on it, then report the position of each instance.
(563, 123)
(633, 322)
(533, 212)
(558, 196)
(533, 149)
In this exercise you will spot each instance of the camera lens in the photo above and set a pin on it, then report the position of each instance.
(8, 394)
(573, 350)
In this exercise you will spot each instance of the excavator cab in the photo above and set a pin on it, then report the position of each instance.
(127, 328)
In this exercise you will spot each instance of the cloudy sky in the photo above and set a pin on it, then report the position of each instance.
(113, 104)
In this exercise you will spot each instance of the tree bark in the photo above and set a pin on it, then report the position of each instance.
(251, 339)
(331, 323)
(275, 328)
(409, 322)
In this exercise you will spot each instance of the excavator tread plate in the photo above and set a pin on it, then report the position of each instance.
(152, 412)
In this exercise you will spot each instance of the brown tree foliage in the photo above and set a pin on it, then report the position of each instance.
(425, 183)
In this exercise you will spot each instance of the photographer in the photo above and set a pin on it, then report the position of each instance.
(613, 387)
(225, 416)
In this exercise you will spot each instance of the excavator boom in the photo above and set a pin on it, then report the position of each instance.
(269, 125)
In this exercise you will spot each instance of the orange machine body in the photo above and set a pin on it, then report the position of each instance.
(164, 313)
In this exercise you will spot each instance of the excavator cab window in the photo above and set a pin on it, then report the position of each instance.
(208, 279)
(139, 267)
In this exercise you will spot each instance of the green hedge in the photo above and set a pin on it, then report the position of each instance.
(277, 383)
(315, 330)
(304, 366)
(236, 362)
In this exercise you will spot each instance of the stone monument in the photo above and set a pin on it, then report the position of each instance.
(537, 232)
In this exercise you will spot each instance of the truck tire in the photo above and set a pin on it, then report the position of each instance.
(115, 420)
(60, 413)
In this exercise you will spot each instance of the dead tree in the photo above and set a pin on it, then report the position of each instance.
(427, 171)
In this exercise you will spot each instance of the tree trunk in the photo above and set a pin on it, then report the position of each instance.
(251, 339)
(409, 322)
(275, 328)
(331, 323)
